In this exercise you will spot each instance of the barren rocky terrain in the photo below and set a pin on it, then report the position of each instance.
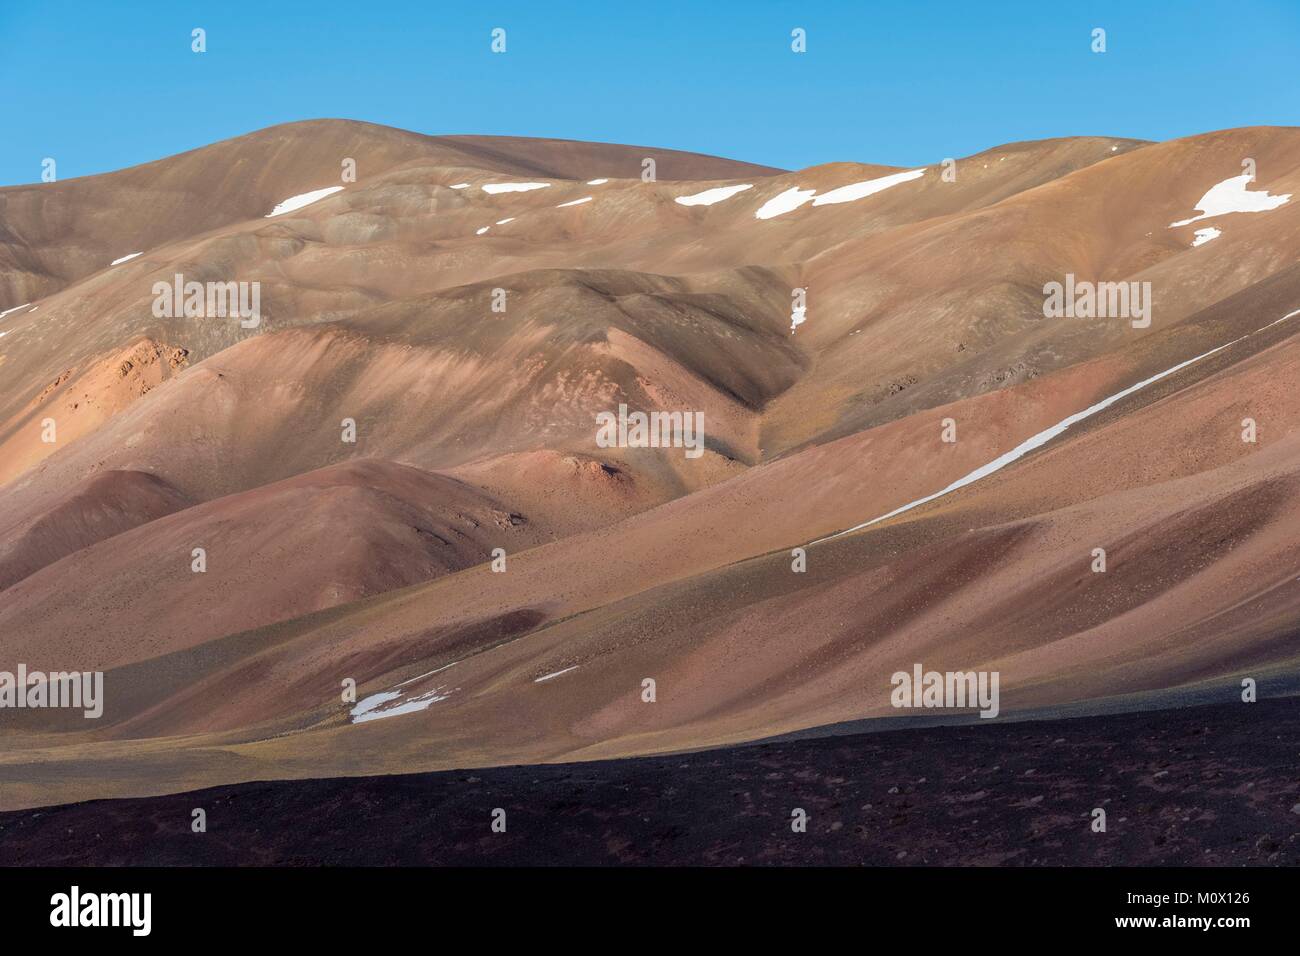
(1204, 786)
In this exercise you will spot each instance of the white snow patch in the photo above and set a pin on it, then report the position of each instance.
(14, 309)
(1113, 148)
(1231, 196)
(460, 185)
(502, 222)
(389, 703)
(1046, 435)
(436, 670)
(716, 194)
(411, 706)
(1205, 235)
(479, 232)
(373, 701)
(797, 318)
(795, 197)
(597, 182)
(556, 674)
(1289, 315)
(791, 199)
(513, 187)
(575, 202)
(118, 262)
(862, 190)
(303, 199)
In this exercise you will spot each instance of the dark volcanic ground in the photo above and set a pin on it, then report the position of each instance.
(1211, 785)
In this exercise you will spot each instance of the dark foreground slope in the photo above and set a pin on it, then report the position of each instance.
(1211, 785)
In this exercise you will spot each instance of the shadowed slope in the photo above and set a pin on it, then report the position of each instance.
(279, 551)
(105, 504)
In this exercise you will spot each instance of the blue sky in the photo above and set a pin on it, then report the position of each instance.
(102, 85)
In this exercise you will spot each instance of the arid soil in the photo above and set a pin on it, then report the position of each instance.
(1203, 786)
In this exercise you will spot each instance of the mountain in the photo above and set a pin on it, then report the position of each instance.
(394, 475)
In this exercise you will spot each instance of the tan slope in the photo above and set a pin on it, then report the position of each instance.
(445, 381)
(1197, 587)
(401, 230)
(286, 549)
(795, 500)
(56, 233)
(105, 504)
(1199, 584)
(577, 581)
(947, 307)
(403, 233)
(925, 303)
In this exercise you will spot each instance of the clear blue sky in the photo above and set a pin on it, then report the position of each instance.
(106, 84)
